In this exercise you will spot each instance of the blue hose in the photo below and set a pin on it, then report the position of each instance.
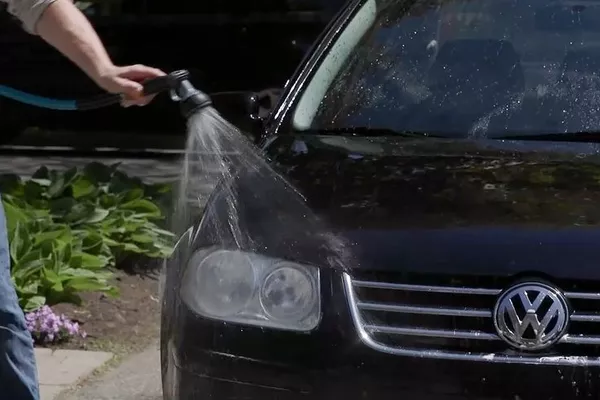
(38, 101)
(192, 98)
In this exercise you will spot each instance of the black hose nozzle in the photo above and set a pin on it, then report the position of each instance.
(177, 82)
(165, 83)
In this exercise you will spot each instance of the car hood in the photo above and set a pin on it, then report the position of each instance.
(429, 205)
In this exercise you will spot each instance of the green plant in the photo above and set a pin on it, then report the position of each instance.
(65, 228)
(123, 211)
(52, 263)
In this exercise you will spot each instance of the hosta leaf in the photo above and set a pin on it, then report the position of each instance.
(51, 276)
(20, 242)
(29, 264)
(29, 289)
(133, 248)
(90, 261)
(87, 285)
(33, 303)
(33, 191)
(98, 172)
(41, 173)
(142, 238)
(60, 181)
(80, 213)
(42, 182)
(162, 232)
(92, 243)
(83, 186)
(60, 234)
(133, 194)
(66, 254)
(62, 206)
(13, 215)
(108, 200)
(142, 206)
(98, 215)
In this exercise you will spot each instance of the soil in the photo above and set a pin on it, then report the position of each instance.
(122, 325)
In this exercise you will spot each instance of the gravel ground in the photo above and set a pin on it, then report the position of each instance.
(155, 170)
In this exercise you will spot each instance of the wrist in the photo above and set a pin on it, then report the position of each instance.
(101, 71)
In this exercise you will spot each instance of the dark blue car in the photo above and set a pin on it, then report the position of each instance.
(434, 229)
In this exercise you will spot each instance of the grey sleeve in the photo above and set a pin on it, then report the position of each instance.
(27, 11)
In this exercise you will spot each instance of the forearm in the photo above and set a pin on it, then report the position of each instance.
(65, 28)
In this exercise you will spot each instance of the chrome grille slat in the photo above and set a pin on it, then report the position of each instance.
(580, 339)
(425, 288)
(391, 325)
(440, 333)
(585, 317)
(458, 312)
(582, 295)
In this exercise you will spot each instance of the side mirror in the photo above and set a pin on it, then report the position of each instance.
(254, 107)
(263, 102)
(235, 108)
(246, 110)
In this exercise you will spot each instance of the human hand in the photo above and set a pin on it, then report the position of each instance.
(128, 81)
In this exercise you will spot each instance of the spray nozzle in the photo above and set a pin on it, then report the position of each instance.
(181, 90)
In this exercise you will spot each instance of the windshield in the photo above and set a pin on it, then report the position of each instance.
(460, 68)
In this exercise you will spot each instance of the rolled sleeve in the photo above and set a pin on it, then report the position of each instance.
(28, 11)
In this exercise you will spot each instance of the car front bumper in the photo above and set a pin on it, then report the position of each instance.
(202, 374)
(215, 360)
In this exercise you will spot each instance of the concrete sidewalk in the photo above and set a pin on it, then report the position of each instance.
(60, 369)
(136, 378)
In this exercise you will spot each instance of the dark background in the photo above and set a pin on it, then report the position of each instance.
(229, 45)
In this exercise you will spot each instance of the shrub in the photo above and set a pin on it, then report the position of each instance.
(52, 263)
(123, 210)
(65, 228)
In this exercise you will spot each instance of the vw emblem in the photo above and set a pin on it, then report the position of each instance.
(531, 316)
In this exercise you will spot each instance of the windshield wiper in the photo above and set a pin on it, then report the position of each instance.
(590, 137)
(372, 132)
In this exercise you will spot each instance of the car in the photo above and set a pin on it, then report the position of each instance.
(226, 45)
(420, 219)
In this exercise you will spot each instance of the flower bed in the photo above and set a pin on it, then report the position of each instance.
(46, 327)
(69, 230)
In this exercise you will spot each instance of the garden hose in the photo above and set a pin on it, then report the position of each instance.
(177, 82)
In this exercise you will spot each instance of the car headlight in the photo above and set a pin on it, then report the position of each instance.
(251, 289)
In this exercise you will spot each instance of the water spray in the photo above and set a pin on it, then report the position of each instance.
(247, 184)
(176, 83)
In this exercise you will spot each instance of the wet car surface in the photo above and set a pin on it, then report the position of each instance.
(454, 170)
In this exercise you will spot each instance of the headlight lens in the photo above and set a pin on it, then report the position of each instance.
(248, 288)
(288, 293)
(226, 280)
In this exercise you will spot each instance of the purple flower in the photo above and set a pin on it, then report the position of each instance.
(47, 327)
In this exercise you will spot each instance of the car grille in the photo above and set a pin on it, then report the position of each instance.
(454, 321)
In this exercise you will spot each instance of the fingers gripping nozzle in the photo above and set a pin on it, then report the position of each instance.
(181, 89)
